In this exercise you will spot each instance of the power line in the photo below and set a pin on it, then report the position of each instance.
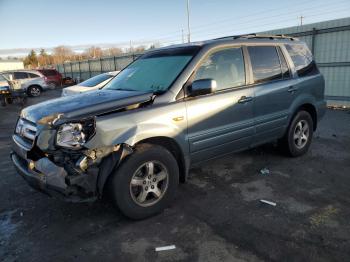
(253, 25)
(280, 21)
(251, 18)
(220, 33)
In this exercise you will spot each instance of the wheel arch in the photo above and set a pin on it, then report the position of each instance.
(311, 109)
(174, 148)
(113, 160)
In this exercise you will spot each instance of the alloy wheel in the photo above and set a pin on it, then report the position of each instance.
(149, 183)
(301, 134)
(35, 91)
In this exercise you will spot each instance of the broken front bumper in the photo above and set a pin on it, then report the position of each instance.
(44, 175)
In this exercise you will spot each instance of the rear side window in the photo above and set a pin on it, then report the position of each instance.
(49, 72)
(302, 59)
(20, 75)
(31, 75)
(265, 63)
(225, 66)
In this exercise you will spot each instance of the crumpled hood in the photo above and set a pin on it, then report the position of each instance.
(85, 104)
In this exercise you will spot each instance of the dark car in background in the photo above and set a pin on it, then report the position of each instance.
(53, 77)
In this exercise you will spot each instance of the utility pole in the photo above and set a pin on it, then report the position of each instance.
(301, 19)
(188, 21)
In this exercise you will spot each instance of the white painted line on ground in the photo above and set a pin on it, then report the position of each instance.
(268, 202)
(165, 248)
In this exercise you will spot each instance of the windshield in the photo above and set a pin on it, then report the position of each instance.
(94, 81)
(153, 72)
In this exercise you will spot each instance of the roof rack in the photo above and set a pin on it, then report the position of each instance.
(257, 36)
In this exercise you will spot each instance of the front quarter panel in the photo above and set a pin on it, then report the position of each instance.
(133, 126)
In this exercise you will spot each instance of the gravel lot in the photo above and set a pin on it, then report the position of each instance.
(217, 215)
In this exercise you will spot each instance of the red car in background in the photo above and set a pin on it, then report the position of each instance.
(53, 77)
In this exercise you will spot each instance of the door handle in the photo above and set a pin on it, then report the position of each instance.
(292, 89)
(245, 99)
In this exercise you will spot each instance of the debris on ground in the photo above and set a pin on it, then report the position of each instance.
(265, 171)
(324, 216)
(268, 202)
(165, 248)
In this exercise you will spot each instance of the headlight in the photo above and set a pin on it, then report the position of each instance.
(71, 135)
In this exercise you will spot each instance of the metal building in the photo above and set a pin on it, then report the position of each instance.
(10, 65)
(329, 41)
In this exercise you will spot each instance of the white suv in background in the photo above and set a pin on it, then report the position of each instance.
(91, 84)
(32, 81)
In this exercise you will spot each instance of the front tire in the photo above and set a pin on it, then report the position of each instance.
(297, 140)
(52, 85)
(146, 182)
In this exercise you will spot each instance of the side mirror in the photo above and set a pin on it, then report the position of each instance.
(203, 87)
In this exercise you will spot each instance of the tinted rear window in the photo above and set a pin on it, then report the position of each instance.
(302, 59)
(49, 72)
(265, 63)
(31, 75)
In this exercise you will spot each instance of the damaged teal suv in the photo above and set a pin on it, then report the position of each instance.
(170, 109)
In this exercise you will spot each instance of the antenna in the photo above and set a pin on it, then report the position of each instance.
(301, 19)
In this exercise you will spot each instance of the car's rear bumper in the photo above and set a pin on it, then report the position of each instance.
(321, 108)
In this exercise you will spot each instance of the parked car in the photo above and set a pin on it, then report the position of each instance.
(32, 81)
(91, 84)
(53, 77)
(170, 109)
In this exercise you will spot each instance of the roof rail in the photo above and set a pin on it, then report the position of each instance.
(257, 36)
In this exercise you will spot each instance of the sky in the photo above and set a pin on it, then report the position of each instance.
(27, 24)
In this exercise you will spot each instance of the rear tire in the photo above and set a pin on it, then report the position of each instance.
(52, 85)
(146, 182)
(3, 101)
(23, 101)
(297, 140)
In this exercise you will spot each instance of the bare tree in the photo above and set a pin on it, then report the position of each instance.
(113, 51)
(93, 52)
(62, 54)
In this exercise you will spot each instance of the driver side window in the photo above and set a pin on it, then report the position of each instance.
(225, 66)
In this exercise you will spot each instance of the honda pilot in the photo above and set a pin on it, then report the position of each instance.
(172, 108)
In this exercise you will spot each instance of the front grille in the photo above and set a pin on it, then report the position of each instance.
(26, 130)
